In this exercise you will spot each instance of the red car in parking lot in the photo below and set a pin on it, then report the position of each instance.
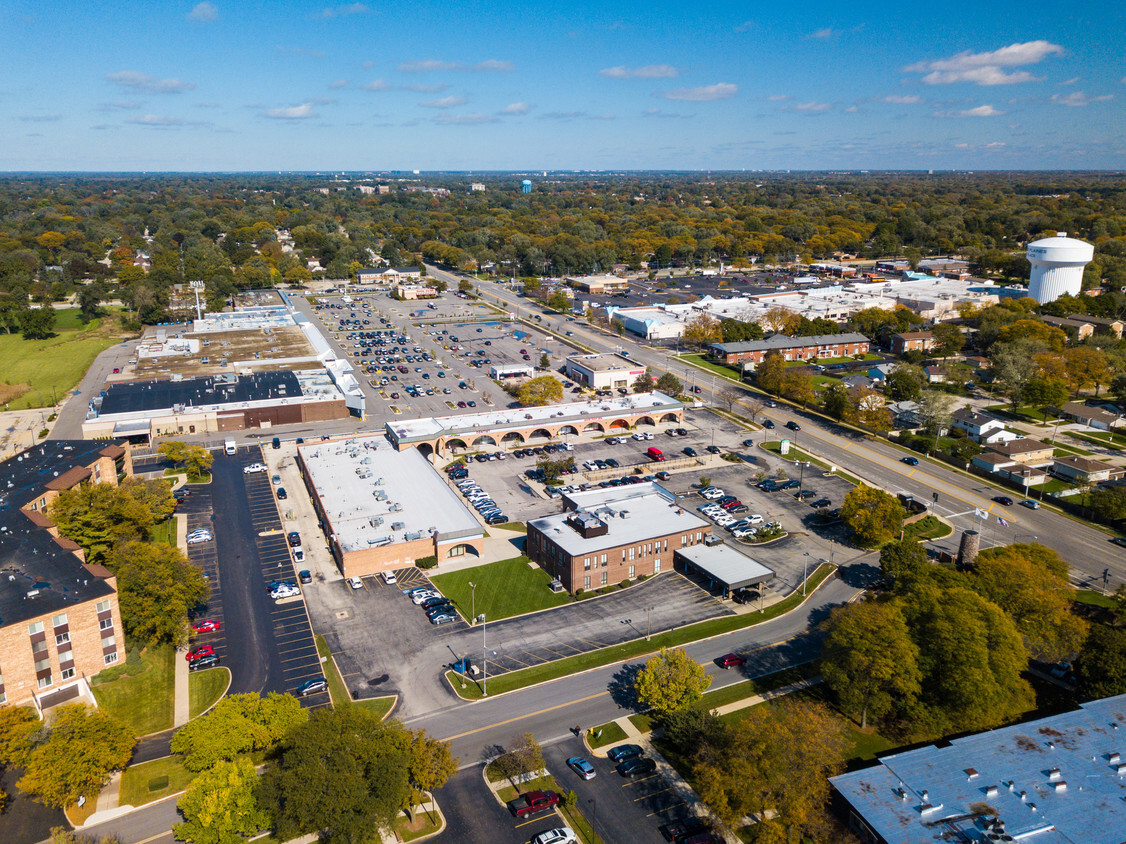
(207, 625)
(199, 651)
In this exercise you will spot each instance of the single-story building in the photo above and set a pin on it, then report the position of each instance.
(1085, 470)
(724, 567)
(1093, 417)
(792, 348)
(411, 292)
(500, 371)
(880, 371)
(598, 283)
(1110, 326)
(603, 371)
(935, 374)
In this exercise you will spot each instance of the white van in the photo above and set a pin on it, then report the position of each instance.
(229, 447)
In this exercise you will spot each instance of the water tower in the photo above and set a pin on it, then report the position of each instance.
(1057, 266)
(526, 186)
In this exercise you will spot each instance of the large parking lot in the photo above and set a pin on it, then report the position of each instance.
(430, 357)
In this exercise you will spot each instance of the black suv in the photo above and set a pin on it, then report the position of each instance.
(793, 426)
(294, 539)
(209, 661)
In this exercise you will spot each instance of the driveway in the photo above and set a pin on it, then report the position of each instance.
(384, 644)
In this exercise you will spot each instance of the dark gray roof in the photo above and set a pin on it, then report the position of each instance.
(778, 342)
(213, 389)
(37, 574)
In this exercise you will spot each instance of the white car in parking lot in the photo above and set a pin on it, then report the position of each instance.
(423, 595)
(355, 583)
(254, 468)
(198, 538)
(285, 592)
(743, 533)
(713, 493)
(754, 519)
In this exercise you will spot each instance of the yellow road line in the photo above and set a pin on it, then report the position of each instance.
(528, 715)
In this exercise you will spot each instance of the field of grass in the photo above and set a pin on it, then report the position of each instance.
(205, 478)
(504, 589)
(53, 367)
(604, 734)
(143, 702)
(722, 370)
(205, 688)
(928, 527)
(627, 650)
(1095, 599)
(421, 825)
(164, 532)
(149, 781)
(1100, 438)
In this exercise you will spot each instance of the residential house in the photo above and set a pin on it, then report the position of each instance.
(981, 428)
(880, 371)
(1076, 329)
(1111, 326)
(905, 414)
(935, 374)
(1093, 417)
(1084, 470)
(912, 341)
(858, 382)
(1026, 450)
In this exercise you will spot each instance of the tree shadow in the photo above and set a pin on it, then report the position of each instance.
(861, 575)
(621, 686)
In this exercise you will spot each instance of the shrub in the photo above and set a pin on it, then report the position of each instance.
(426, 562)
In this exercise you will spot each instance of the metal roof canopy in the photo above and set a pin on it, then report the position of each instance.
(725, 565)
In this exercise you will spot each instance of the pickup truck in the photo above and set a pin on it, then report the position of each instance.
(533, 803)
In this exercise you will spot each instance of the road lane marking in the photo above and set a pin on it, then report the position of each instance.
(528, 715)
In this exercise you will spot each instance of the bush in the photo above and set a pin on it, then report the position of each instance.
(43, 433)
(426, 562)
(625, 584)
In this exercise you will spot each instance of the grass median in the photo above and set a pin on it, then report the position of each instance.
(510, 587)
(525, 677)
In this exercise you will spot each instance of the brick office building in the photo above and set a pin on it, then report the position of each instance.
(59, 618)
(792, 348)
(607, 536)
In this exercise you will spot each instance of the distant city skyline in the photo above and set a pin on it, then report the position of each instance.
(453, 86)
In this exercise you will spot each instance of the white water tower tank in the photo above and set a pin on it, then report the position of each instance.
(1057, 266)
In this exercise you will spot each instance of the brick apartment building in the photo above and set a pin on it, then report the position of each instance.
(607, 536)
(59, 618)
(911, 341)
(792, 348)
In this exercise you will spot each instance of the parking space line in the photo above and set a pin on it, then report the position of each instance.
(653, 794)
(666, 809)
(643, 779)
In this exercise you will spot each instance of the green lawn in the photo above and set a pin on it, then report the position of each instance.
(604, 734)
(164, 531)
(796, 454)
(143, 702)
(928, 527)
(377, 705)
(336, 688)
(517, 527)
(504, 589)
(1101, 438)
(205, 688)
(205, 478)
(719, 369)
(154, 780)
(1097, 599)
(606, 656)
(421, 825)
(53, 367)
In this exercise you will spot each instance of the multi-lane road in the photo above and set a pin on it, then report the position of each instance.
(960, 495)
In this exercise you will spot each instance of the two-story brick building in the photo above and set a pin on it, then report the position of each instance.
(911, 341)
(792, 348)
(59, 618)
(607, 536)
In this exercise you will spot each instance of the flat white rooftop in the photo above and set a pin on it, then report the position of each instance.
(361, 481)
(629, 520)
(418, 430)
(726, 564)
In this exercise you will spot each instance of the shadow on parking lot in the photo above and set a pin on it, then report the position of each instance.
(622, 689)
(861, 575)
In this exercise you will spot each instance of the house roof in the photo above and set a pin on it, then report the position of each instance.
(1083, 411)
(969, 416)
(1023, 445)
(1083, 464)
(1096, 320)
(778, 342)
(914, 335)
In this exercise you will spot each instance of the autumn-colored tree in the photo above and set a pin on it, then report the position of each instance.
(670, 681)
(539, 391)
(770, 373)
(873, 515)
(702, 330)
(1086, 367)
(220, 805)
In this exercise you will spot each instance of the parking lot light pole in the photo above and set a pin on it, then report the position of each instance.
(801, 476)
(647, 611)
(805, 571)
(484, 660)
(473, 601)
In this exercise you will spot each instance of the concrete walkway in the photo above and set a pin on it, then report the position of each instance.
(182, 707)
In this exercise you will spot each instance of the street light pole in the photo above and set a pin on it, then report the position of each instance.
(484, 660)
(473, 602)
(805, 572)
(647, 610)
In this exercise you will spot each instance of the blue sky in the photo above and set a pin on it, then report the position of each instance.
(224, 85)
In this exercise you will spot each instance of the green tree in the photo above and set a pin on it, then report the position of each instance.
(98, 516)
(904, 383)
(241, 723)
(769, 373)
(38, 323)
(670, 385)
(464, 286)
(1101, 669)
(948, 339)
(545, 361)
(523, 757)
(559, 301)
(902, 562)
(196, 459)
(869, 660)
(1030, 583)
(836, 401)
(554, 467)
(341, 775)
(539, 391)
(431, 765)
(220, 805)
(157, 587)
(643, 383)
(874, 516)
(90, 298)
(1109, 502)
(670, 681)
(971, 657)
(1044, 393)
(76, 755)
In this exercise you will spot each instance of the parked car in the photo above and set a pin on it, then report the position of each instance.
(691, 452)
(625, 751)
(713, 449)
(206, 625)
(199, 651)
(305, 576)
(581, 767)
(254, 468)
(298, 555)
(731, 660)
(388, 577)
(282, 494)
(443, 618)
(311, 687)
(420, 595)
(197, 538)
(636, 767)
(533, 802)
(285, 592)
(355, 583)
(209, 661)
(293, 538)
(821, 502)
(559, 835)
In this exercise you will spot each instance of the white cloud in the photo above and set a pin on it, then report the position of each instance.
(703, 94)
(156, 120)
(1078, 98)
(746, 26)
(827, 32)
(980, 111)
(298, 112)
(377, 85)
(339, 83)
(127, 105)
(811, 107)
(143, 82)
(995, 145)
(903, 100)
(426, 89)
(464, 119)
(444, 102)
(204, 13)
(344, 11)
(41, 118)
(986, 68)
(852, 109)
(778, 98)
(516, 108)
(649, 71)
(429, 65)
(1070, 81)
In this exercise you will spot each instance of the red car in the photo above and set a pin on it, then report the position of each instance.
(198, 651)
(731, 661)
(207, 625)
